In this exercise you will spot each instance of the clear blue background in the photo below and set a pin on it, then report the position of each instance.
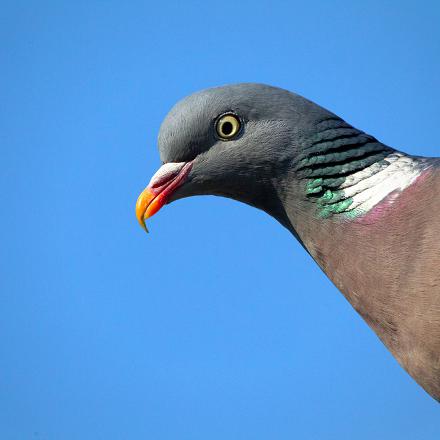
(217, 325)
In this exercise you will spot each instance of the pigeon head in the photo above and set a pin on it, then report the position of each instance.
(237, 141)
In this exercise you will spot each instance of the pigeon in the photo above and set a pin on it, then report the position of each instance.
(368, 214)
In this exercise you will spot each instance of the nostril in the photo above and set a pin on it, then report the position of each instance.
(166, 173)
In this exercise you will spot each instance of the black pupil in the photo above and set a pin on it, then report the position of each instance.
(227, 128)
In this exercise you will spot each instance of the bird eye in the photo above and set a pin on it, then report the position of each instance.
(227, 126)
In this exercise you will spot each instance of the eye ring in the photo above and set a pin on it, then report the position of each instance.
(227, 126)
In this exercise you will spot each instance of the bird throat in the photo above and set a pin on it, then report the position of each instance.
(346, 173)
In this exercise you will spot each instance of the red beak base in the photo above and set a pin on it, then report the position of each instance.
(167, 179)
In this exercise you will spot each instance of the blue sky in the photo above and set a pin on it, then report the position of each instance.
(217, 325)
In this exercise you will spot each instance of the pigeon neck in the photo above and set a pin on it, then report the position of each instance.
(345, 173)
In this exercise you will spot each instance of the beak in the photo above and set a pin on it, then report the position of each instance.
(167, 179)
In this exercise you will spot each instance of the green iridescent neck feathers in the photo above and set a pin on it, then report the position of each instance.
(348, 172)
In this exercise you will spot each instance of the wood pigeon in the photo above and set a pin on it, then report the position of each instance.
(368, 214)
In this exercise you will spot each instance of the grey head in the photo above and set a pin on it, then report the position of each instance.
(282, 153)
(275, 126)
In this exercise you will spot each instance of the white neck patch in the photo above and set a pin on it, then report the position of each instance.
(370, 186)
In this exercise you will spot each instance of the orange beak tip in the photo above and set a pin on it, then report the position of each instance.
(141, 207)
(144, 227)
